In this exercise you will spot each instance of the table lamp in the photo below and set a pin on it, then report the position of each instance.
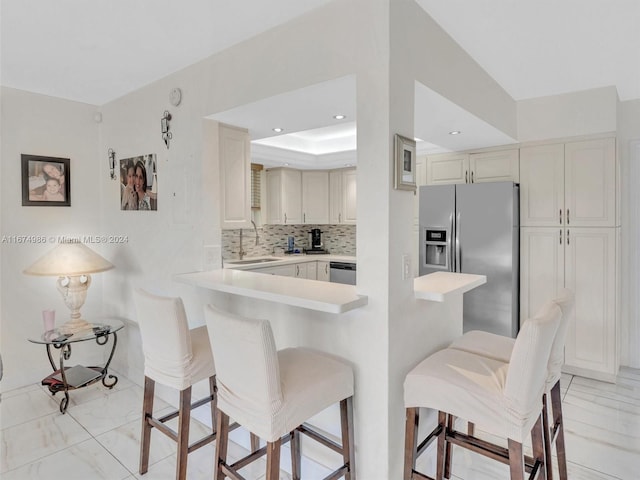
(72, 261)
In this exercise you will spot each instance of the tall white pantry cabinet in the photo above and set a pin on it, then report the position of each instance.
(570, 237)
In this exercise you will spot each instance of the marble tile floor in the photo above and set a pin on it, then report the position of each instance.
(98, 438)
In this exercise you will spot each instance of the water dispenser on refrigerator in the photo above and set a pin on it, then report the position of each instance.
(436, 248)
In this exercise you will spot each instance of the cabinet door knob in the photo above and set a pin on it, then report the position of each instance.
(466, 176)
(560, 236)
(560, 216)
(568, 217)
(472, 177)
(568, 238)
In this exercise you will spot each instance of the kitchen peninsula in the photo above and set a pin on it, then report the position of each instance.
(321, 296)
(334, 318)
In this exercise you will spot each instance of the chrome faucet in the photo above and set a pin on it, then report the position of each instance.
(256, 230)
(241, 253)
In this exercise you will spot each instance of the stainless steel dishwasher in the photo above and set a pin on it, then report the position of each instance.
(342, 272)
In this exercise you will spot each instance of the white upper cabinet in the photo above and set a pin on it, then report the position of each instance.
(497, 166)
(235, 177)
(315, 197)
(447, 168)
(590, 183)
(571, 184)
(284, 196)
(492, 166)
(342, 196)
(542, 185)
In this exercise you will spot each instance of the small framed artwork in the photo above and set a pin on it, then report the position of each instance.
(405, 163)
(139, 183)
(45, 181)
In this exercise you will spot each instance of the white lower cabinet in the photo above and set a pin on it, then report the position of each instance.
(301, 270)
(322, 272)
(282, 270)
(584, 260)
(312, 270)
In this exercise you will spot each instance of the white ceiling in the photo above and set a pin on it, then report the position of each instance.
(547, 47)
(96, 51)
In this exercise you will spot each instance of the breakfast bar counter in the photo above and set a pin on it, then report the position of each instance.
(298, 292)
(438, 286)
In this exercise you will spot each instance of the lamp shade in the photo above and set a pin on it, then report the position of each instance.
(69, 258)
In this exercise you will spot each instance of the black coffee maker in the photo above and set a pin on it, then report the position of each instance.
(315, 239)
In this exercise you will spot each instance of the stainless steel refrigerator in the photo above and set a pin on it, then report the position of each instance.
(473, 228)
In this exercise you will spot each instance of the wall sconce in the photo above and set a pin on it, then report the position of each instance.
(164, 123)
(112, 163)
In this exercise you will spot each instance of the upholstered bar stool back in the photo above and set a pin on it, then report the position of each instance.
(272, 393)
(502, 398)
(176, 357)
(501, 348)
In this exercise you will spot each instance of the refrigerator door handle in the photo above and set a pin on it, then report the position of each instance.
(458, 251)
(452, 258)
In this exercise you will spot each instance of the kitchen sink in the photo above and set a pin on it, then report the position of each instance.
(249, 262)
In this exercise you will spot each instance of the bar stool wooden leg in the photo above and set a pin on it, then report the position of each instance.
(147, 412)
(214, 402)
(546, 433)
(184, 417)
(537, 443)
(442, 443)
(410, 441)
(222, 441)
(449, 449)
(295, 455)
(556, 407)
(516, 460)
(348, 449)
(255, 442)
(273, 460)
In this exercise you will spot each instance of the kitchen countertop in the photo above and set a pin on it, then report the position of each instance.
(438, 286)
(285, 260)
(297, 292)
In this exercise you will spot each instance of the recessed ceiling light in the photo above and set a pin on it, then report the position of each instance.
(277, 129)
(347, 165)
(339, 117)
(455, 132)
(285, 164)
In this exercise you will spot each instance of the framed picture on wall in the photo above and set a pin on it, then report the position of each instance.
(139, 183)
(405, 163)
(46, 181)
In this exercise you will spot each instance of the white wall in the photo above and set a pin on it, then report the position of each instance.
(41, 125)
(629, 156)
(568, 115)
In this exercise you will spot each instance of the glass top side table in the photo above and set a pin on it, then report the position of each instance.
(65, 379)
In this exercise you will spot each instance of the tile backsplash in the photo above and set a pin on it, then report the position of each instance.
(338, 239)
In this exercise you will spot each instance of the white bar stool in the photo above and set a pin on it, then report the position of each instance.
(503, 399)
(500, 348)
(178, 358)
(272, 393)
